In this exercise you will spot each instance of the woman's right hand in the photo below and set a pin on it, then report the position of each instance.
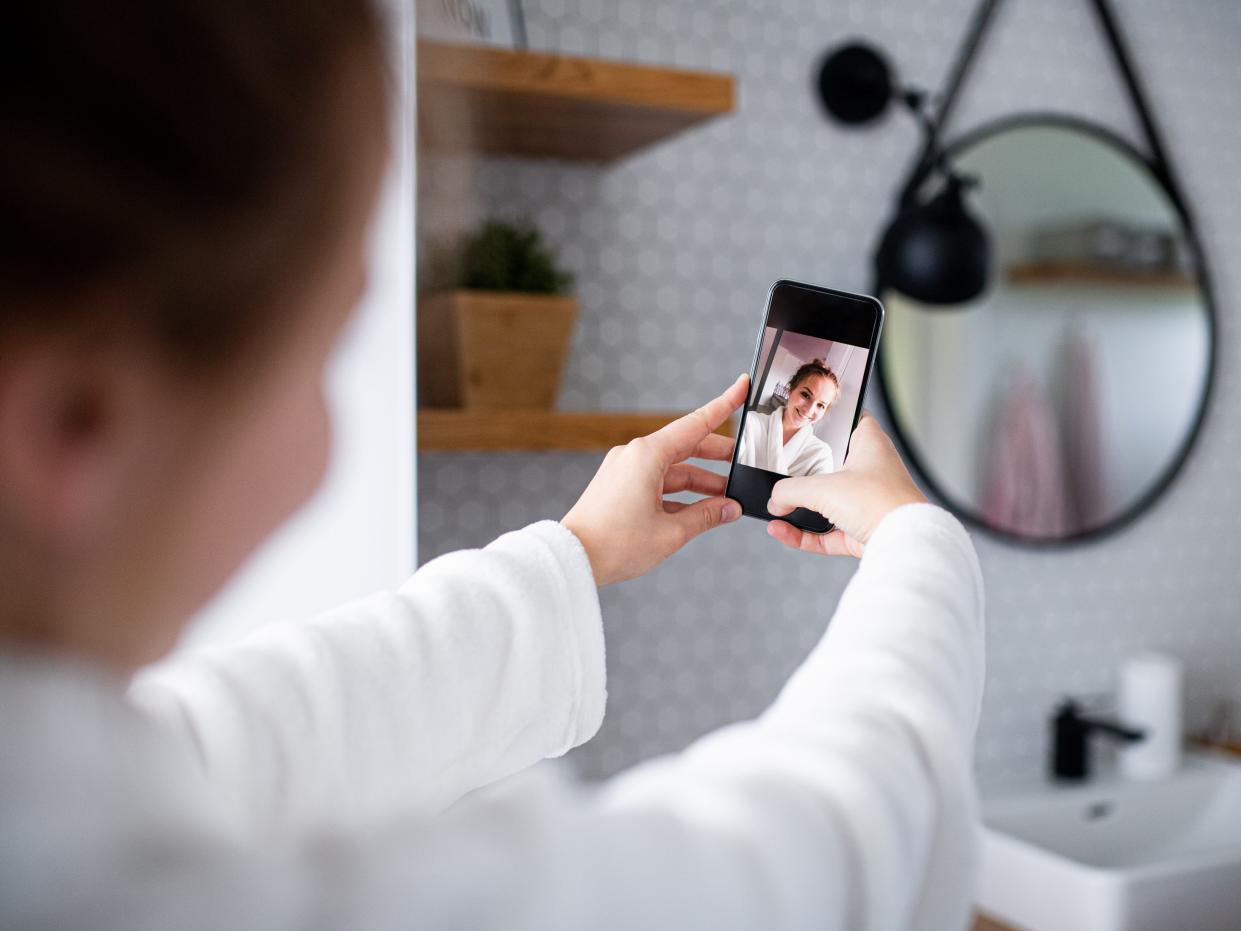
(872, 483)
(622, 519)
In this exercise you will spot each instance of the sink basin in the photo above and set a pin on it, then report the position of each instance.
(1109, 855)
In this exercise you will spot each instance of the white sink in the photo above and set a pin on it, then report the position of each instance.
(1111, 855)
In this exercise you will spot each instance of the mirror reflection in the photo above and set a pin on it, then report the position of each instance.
(1062, 399)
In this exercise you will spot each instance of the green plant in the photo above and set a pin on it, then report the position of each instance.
(512, 257)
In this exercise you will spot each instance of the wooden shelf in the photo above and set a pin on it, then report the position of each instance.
(1085, 273)
(502, 102)
(984, 922)
(517, 430)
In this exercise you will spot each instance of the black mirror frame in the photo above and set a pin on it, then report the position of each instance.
(1202, 272)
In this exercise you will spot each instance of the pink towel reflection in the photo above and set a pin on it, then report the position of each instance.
(1083, 433)
(1024, 489)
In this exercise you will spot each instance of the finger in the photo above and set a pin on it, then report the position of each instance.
(672, 507)
(776, 509)
(869, 426)
(805, 491)
(790, 536)
(716, 446)
(679, 439)
(839, 543)
(835, 543)
(685, 477)
(701, 516)
(848, 546)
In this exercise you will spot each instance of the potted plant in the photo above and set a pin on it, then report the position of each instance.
(501, 339)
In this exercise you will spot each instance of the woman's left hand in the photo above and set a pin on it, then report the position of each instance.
(622, 519)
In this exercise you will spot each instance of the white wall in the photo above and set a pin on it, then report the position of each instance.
(358, 533)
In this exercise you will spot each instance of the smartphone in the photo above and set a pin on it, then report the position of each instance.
(811, 367)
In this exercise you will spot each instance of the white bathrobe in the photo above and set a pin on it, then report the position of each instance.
(284, 783)
(763, 446)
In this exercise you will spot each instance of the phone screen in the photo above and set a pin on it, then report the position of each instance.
(811, 368)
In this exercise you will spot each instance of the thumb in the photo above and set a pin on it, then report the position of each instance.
(815, 492)
(701, 516)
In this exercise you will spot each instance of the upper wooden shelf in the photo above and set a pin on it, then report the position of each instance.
(518, 430)
(1085, 273)
(502, 102)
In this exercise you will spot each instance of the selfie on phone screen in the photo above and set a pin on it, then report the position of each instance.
(801, 409)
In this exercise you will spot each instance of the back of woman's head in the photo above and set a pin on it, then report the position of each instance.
(173, 162)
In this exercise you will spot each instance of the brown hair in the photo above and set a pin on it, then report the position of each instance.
(811, 369)
(177, 152)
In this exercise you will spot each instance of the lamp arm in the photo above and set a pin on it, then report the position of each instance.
(915, 101)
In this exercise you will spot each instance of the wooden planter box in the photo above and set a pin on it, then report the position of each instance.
(492, 349)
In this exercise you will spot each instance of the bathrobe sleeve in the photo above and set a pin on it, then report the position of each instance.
(848, 805)
(483, 663)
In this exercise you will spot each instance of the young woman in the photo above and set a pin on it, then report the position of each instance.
(784, 441)
(186, 189)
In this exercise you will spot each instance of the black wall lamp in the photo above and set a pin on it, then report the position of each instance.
(935, 250)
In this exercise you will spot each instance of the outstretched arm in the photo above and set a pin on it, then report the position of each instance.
(848, 805)
(483, 663)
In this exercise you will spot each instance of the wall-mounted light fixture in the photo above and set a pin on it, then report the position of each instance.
(935, 250)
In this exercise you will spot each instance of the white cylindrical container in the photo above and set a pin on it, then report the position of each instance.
(1150, 699)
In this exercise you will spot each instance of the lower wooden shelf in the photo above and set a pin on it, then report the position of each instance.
(518, 430)
(984, 922)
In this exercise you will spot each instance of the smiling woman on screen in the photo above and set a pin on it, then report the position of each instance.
(784, 440)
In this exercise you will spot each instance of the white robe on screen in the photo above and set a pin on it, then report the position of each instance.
(763, 446)
(285, 782)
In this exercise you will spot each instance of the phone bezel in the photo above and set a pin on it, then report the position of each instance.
(805, 304)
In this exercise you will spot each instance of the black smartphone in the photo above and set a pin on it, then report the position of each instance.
(811, 368)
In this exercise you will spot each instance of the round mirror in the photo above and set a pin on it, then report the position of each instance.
(1062, 401)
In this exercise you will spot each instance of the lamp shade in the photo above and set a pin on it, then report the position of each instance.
(936, 252)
